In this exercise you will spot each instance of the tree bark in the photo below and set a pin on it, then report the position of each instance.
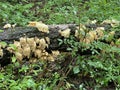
(11, 34)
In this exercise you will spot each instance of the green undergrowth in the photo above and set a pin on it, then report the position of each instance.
(93, 66)
(83, 67)
(57, 11)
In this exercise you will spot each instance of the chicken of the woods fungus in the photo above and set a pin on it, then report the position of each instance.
(1, 52)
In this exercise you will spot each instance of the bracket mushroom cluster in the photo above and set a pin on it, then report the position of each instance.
(32, 47)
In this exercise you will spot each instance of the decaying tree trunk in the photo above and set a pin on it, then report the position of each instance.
(10, 35)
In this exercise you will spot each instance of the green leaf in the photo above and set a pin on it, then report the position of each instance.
(15, 88)
(24, 68)
(60, 41)
(1, 76)
(4, 44)
(30, 83)
(13, 46)
(17, 64)
(76, 69)
(69, 49)
(117, 42)
(14, 59)
(1, 31)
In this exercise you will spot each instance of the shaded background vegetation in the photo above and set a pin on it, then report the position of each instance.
(57, 11)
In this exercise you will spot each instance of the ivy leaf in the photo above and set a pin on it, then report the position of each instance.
(76, 69)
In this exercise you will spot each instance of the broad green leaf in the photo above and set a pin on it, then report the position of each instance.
(76, 69)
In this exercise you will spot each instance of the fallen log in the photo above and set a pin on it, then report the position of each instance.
(14, 34)
(11, 34)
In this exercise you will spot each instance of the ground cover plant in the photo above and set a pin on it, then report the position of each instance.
(91, 60)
